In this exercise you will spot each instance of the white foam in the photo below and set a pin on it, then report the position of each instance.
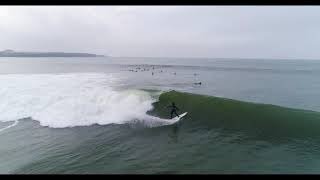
(68, 100)
(151, 121)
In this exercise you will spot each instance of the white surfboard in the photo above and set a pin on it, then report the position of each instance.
(176, 119)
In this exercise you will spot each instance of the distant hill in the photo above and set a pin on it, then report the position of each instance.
(11, 53)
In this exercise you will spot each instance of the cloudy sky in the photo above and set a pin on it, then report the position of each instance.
(165, 31)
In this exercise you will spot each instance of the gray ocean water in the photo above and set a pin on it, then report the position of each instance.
(91, 115)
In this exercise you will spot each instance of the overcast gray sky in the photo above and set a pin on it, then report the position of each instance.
(165, 31)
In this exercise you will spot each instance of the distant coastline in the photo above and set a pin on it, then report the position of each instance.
(11, 53)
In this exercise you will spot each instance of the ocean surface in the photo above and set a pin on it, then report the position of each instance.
(108, 115)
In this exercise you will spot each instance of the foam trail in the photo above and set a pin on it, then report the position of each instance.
(13, 124)
(152, 121)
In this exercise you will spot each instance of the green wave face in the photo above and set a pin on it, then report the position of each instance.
(260, 119)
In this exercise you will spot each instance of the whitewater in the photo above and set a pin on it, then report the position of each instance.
(69, 100)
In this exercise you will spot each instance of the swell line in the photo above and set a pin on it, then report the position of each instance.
(12, 125)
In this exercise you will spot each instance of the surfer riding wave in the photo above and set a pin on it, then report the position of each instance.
(174, 109)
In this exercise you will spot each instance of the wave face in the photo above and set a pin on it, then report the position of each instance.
(230, 114)
(68, 100)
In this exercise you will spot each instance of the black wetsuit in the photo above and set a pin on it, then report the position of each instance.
(174, 110)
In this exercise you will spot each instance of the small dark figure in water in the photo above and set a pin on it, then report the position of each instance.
(198, 83)
(174, 109)
(152, 73)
